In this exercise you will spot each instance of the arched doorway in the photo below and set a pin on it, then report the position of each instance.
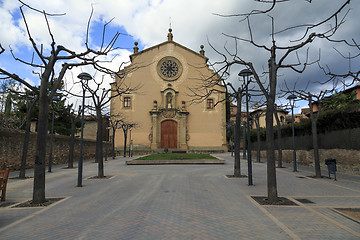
(169, 134)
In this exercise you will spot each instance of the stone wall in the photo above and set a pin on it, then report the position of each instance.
(11, 144)
(347, 161)
(343, 145)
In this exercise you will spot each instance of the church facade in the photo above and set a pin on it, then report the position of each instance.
(161, 106)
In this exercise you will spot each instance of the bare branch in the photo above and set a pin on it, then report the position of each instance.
(88, 27)
(256, 11)
(36, 10)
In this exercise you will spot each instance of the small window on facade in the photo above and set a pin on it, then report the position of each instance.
(127, 102)
(210, 103)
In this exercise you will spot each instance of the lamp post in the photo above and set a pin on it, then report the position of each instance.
(107, 140)
(130, 142)
(55, 99)
(245, 73)
(82, 76)
(233, 141)
(244, 145)
(292, 98)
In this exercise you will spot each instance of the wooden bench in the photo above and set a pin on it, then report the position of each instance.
(4, 175)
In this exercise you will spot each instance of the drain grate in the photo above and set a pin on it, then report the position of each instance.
(304, 200)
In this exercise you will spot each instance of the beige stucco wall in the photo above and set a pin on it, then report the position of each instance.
(262, 119)
(204, 128)
(90, 128)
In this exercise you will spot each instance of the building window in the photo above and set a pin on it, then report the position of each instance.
(210, 103)
(282, 118)
(127, 102)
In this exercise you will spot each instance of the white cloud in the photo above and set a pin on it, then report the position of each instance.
(10, 33)
(193, 22)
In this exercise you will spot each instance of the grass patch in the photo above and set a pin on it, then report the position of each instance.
(176, 156)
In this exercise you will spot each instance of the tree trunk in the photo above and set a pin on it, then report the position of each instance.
(26, 140)
(270, 151)
(237, 169)
(244, 142)
(316, 149)
(279, 140)
(315, 138)
(72, 142)
(41, 140)
(258, 139)
(99, 143)
(125, 130)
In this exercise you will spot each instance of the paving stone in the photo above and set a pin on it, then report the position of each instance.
(181, 202)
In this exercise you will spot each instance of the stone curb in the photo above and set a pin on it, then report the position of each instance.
(180, 161)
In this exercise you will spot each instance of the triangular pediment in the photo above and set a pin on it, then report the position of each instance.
(164, 44)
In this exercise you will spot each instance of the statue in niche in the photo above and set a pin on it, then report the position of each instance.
(169, 100)
(183, 108)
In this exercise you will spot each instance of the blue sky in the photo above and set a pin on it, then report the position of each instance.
(194, 23)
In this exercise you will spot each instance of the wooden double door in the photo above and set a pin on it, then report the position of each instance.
(169, 134)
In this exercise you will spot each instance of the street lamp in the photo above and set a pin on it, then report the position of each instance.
(245, 73)
(107, 140)
(82, 76)
(130, 142)
(243, 125)
(55, 99)
(292, 98)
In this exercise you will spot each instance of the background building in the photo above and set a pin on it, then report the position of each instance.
(162, 108)
(260, 113)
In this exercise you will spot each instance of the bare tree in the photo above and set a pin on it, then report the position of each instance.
(30, 103)
(350, 72)
(256, 118)
(115, 120)
(237, 166)
(46, 64)
(100, 98)
(314, 116)
(236, 94)
(126, 126)
(74, 118)
(279, 136)
(279, 58)
(217, 83)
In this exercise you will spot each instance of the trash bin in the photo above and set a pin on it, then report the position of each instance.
(331, 164)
